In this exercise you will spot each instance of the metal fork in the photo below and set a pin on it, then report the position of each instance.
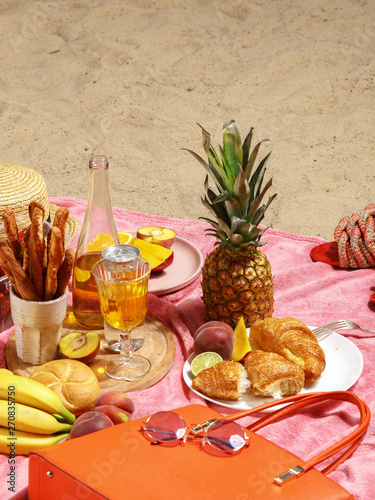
(341, 324)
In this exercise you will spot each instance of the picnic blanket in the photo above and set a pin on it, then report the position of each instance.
(313, 292)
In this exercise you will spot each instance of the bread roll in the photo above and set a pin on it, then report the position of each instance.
(73, 381)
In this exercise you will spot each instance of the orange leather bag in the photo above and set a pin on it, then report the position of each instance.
(119, 462)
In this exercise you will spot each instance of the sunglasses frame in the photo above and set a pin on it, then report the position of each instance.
(195, 430)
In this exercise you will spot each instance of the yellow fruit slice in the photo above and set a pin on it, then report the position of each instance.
(155, 254)
(156, 250)
(81, 275)
(101, 242)
(204, 360)
(241, 341)
(125, 238)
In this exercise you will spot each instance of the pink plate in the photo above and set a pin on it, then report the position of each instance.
(185, 268)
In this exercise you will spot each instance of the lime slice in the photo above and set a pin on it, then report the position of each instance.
(204, 360)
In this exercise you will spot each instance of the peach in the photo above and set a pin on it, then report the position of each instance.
(117, 415)
(158, 235)
(89, 422)
(116, 398)
(209, 324)
(168, 261)
(216, 339)
(81, 346)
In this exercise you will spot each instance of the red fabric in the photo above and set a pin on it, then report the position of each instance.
(313, 292)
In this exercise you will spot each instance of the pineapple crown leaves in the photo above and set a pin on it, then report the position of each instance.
(237, 207)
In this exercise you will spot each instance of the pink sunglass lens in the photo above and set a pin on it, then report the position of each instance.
(226, 436)
(165, 426)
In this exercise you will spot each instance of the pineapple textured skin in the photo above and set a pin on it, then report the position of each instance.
(237, 284)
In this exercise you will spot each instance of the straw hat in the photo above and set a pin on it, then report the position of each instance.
(19, 186)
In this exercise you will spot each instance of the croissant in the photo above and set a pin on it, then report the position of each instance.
(292, 339)
(225, 380)
(272, 375)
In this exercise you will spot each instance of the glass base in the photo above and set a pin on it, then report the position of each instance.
(130, 369)
(115, 345)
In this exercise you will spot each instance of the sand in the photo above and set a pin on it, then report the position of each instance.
(131, 79)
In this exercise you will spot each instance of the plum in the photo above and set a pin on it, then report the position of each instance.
(89, 422)
(215, 338)
(115, 398)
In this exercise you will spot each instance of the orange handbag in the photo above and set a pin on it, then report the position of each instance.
(119, 462)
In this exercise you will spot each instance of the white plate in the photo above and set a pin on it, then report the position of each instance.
(344, 364)
(185, 268)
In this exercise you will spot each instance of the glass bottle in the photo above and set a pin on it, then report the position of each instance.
(98, 232)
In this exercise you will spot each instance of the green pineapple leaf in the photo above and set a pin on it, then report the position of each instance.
(233, 208)
(214, 171)
(238, 206)
(253, 156)
(241, 191)
(246, 148)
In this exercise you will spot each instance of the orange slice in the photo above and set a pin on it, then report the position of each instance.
(125, 238)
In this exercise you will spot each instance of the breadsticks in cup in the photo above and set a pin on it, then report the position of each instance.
(39, 268)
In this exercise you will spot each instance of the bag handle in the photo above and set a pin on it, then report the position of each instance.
(295, 403)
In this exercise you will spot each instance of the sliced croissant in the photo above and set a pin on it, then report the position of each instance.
(225, 380)
(292, 339)
(272, 375)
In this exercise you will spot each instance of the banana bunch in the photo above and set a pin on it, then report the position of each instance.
(32, 416)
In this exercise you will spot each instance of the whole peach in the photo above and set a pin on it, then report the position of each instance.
(89, 422)
(116, 398)
(209, 324)
(116, 414)
(216, 339)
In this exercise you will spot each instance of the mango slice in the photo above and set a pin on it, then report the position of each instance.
(241, 341)
(158, 256)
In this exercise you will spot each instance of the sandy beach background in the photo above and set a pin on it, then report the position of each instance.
(130, 79)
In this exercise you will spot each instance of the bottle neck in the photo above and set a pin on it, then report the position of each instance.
(98, 162)
(99, 217)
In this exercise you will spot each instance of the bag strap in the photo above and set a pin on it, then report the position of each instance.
(294, 403)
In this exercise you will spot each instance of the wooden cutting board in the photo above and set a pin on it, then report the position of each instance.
(158, 347)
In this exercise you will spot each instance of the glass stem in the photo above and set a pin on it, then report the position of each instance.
(126, 344)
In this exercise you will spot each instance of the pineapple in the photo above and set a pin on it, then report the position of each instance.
(236, 276)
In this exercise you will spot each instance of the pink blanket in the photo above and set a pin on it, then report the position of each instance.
(313, 292)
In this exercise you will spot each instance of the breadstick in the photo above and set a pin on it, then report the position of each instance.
(65, 272)
(11, 230)
(23, 284)
(36, 250)
(55, 257)
(25, 249)
(61, 216)
(4, 262)
(32, 205)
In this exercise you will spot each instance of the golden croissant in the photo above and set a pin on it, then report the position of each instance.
(225, 380)
(272, 375)
(292, 339)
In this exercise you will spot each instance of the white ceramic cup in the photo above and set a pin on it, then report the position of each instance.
(38, 327)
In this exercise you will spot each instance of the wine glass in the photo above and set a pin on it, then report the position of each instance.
(123, 288)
